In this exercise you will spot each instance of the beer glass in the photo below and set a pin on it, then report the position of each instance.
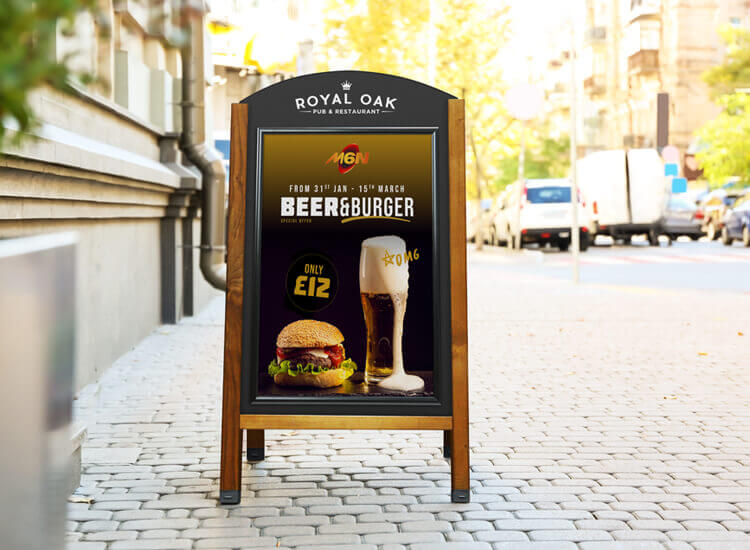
(383, 288)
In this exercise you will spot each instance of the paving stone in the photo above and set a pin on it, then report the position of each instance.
(220, 532)
(717, 536)
(267, 521)
(227, 522)
(458, 536)
(499, 536)
(557, 545)
(431, 525)
(579, 535)
(639, 534)
(166, 523)
(152, 544)
(127, 515)
(619, 545)
(239, 542)
(86, 546)
(717, 545)
(452, 546)
(160, 534)
(533, 524)
(403, 538)
(100, 525)
(318, 540)
(288, 530)
(108, 536)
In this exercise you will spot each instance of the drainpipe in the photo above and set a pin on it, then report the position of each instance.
(200, 152)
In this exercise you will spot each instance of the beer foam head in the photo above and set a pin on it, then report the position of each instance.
(377, 274)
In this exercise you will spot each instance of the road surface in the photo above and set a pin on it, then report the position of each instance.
(701, 265)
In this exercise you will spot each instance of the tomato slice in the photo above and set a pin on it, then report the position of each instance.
(335, 353)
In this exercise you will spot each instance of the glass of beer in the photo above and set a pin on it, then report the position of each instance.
(383, 288)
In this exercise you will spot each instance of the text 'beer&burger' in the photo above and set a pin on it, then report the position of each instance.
(344, 207)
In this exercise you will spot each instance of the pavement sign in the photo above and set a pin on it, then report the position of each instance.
(346, 269)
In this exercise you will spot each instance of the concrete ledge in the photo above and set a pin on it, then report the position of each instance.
(59, 146)
(77, 437)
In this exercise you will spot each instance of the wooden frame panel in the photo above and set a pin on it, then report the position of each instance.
(455, 427)
(231, 433)
(336, 422)
(459, 437)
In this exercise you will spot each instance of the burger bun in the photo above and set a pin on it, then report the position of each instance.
(327, 379)
(308, 333)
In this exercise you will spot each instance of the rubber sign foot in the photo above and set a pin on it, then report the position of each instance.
(229, 497)
(459, 495)
(255, 454)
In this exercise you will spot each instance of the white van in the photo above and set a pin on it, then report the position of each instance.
(626, 192)
(546, 215)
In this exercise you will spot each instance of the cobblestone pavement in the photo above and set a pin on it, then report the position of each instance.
(602, 418)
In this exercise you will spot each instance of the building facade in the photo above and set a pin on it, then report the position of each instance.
(256, 44)
(636, 49)
(106, 162)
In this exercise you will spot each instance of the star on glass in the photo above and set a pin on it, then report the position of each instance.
(388, 258)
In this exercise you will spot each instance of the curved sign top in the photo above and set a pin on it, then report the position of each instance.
(348, 98)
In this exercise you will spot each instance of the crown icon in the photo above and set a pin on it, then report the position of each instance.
(346, 85)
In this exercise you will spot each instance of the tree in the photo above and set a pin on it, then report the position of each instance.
(726, 140)
(734, 72)
(725, 152)
(28, 30)
(392, 36)
(545, 158)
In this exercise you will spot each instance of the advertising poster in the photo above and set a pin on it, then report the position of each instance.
(346, 264)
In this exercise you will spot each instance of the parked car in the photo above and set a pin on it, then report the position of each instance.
(478, 212)
(715, 206)
(736, 222)
(546, 215)
(626, 191)
(682, 217)
(498, 231)
(472, 215)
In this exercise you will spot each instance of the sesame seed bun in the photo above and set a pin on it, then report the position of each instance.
(309, 334)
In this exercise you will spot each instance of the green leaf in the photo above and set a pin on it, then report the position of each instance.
(349, 366)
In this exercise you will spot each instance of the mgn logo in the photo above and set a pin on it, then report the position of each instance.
(348, 158)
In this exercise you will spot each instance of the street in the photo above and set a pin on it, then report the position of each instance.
(701, 265)
(602, 417)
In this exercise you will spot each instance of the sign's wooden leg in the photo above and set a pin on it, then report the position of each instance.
(256, 444)
(230, 485)
(459, 447)
(459, 434)
(446, 443)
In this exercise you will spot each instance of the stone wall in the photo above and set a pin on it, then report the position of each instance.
(117, 181)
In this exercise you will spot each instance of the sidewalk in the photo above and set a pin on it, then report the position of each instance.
(602, 418)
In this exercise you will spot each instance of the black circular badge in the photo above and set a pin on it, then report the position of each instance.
(312, 282)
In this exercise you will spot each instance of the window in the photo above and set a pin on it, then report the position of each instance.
(541, 195)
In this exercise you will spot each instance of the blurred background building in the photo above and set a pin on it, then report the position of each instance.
(254, 44)
(635, 49)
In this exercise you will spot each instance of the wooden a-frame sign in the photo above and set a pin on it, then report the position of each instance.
(404, 178)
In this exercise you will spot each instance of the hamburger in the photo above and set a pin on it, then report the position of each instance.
(309, 353)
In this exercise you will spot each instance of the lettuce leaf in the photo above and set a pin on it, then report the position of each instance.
(287, 367)
(349, 366)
